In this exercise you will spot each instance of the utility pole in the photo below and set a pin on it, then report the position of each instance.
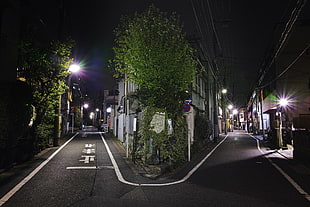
(58, 109)
(279, 129)
(57, 124)
(261, 111)
(127, 116)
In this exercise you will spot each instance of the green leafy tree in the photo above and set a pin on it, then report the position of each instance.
(153, 53)
(45, 70)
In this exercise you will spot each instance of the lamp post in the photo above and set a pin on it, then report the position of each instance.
(74, 68)
(229, 118)
(98, 117)
(85, 105)
(224, 91)
(92, 117)
(282, 103)
(235, 114)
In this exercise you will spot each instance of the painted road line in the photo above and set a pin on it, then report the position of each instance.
(89, 151)
(7, 196)
(87, 158)
(90, 145)
(82, 168)
(284, 174)
(90, 167)
(189, 174)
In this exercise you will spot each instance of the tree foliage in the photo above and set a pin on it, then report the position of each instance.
(45, 69)
(153, 53)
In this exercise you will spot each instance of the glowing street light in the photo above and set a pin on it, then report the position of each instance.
(91, 115)
(235, 111)
(283, 102)
(224, 91)
(74, 68)
(86, 106)
(109, 110)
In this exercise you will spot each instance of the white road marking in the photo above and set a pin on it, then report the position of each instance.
(284, 174)
(87, 158)
(107, 167)
(121, 178)
(82, 168)
(88, 151)
(7, 196)
(90, 145)
(90, 167)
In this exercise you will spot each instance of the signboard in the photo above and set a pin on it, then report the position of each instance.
(186, 107)
(158, 122)
(72, 110)
(188, 101)
(241, 117)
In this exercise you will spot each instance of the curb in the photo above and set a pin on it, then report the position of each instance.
(151, 171)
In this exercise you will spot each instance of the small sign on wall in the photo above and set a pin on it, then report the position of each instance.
(158, 122)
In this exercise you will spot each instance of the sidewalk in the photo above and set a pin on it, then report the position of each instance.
(286, 153)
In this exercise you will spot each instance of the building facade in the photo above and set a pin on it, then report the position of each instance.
(287, 80)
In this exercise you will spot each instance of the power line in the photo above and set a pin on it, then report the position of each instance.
(202, 36)
(213, 27)
(287, 68)
(287, 30)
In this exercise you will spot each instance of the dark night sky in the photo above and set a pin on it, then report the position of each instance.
(244, 29)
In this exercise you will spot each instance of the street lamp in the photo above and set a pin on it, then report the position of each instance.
(92, 117)
(98, 110)
(283, 102)
(109, 110)
(224, 91)
(74, 68)
(235, 111)
(85, 105)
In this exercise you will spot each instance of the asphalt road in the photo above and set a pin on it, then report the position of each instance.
(82, 174)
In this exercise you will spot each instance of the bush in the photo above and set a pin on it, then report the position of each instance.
(202, 131)
(159, 148)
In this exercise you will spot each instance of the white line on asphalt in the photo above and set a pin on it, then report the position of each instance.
(82, 168)
(7, 196)
(90, 167)
(189, 174)
(284, 174)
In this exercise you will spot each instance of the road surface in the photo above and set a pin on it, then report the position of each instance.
(90, 171)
